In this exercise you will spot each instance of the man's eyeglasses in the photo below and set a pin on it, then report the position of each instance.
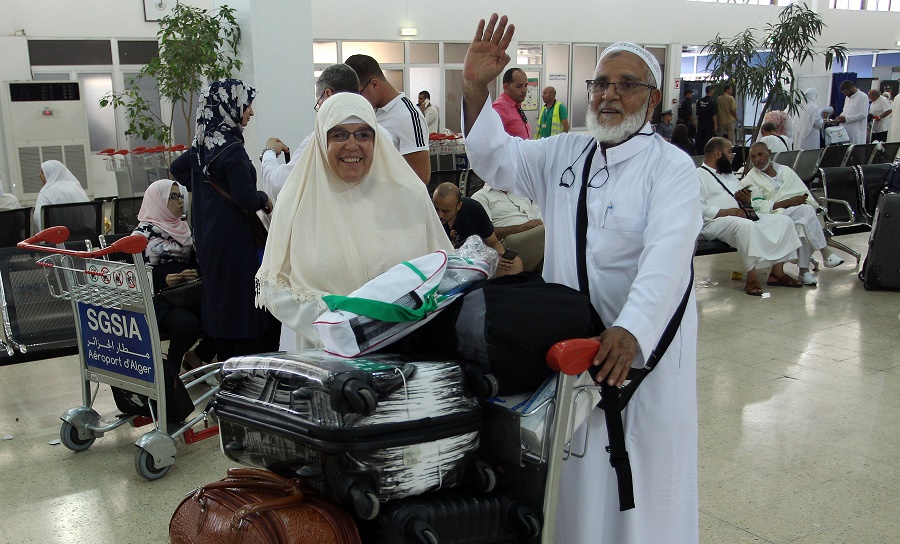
(361, 135)
(363, 87)
(176, 196)
(319, 101)
(596, 181)
(625, 88)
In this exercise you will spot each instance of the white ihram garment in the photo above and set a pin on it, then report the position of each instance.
(642, 226)
(856, 109)
(786, 184)
(760, 244)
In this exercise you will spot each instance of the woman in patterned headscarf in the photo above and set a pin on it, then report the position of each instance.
(222, 181)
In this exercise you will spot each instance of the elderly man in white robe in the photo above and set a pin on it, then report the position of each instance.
(641, 200)
(777, 189)
(769, 241)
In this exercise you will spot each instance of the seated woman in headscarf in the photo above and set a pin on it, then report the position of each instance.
(783, 124)
(8, 201)
(59, 187)
(351, 209)
(170, 251)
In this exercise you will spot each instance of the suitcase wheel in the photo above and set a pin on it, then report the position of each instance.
(365, 501)
(483, 476)
(235, 446)
(525, 519)
(482, 383)
(308, 472)
(418, 531)
(870, 283)
(360, 397)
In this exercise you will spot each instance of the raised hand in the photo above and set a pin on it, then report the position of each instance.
(487, 57)
(485, 60)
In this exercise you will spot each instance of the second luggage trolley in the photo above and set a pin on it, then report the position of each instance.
(118, 344)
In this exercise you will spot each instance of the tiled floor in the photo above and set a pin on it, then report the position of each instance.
(799, 428)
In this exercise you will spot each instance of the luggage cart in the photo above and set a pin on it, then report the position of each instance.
(118, 343)
(532, 474)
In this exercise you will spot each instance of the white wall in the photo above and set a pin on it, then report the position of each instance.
(277, 60)
(653, 22)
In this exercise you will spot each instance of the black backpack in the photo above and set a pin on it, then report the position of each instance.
(505, 326)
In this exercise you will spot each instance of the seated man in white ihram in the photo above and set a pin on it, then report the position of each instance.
(769, 241)
(777, 189)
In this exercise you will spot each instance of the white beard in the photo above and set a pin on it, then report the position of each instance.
(615, 134)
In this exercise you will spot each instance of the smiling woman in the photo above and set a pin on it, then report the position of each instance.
(351, 209)
(350, 150)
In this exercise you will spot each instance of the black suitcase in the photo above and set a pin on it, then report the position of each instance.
(881, 269)
(453, 517)
(361, 431)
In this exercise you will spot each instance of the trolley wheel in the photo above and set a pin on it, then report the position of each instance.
(870, 284)
(146, 467)
(68, 435)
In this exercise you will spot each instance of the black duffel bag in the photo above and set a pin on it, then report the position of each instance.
(505, 326)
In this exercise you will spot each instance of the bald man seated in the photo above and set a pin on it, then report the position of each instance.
(463, 217)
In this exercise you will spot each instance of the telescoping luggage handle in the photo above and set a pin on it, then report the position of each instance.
(387, 311)
(56, 235)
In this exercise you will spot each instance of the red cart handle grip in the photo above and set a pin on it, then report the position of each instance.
(56, 235)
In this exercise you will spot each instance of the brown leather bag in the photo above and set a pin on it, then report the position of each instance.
(253, 506)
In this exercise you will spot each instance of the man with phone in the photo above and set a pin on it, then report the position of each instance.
(463, 217)
(777, 189)
(767, 240)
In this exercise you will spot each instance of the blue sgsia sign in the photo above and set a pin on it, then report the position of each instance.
(116, 341)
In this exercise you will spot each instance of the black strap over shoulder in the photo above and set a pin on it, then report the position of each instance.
(614, 399)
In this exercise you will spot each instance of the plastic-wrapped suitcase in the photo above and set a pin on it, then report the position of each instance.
(881, 269)
(453, 517)
(362, 431)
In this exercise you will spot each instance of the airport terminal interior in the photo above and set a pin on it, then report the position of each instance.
(799, 416)
(798, 427)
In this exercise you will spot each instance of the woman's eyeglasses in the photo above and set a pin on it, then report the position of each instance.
(361, 135)
(176, 196)
(629, 88)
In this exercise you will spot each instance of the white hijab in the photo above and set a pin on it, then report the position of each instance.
(58, 175)
(329, 236)
(61, 188)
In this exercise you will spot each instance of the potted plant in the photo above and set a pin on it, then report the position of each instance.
(195, 46)
(770, 79)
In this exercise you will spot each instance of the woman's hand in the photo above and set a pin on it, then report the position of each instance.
(174, 279)
(189, 274)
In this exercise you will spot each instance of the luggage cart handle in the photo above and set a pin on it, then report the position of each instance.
(56, 235)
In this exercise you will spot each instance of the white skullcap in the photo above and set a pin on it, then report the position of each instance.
(636, 49)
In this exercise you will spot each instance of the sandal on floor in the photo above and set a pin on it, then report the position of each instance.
(753, 288)
(783, 281)
(191, 361)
